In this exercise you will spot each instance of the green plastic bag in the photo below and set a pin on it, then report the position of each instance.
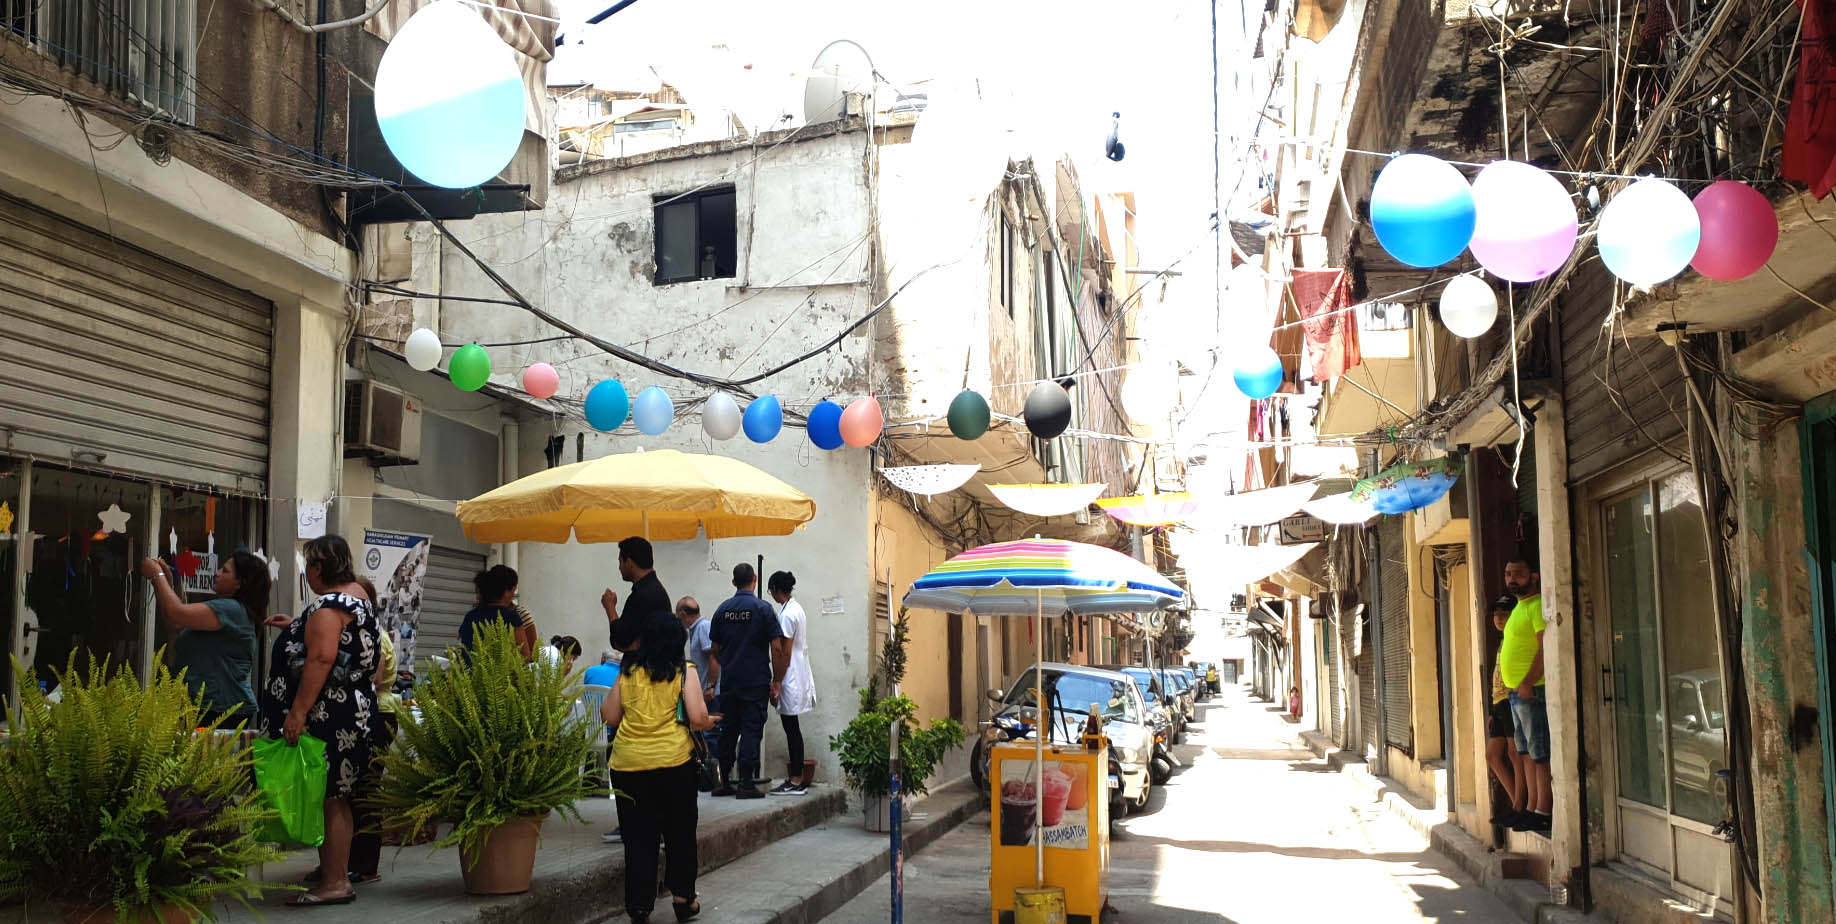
(291, 781)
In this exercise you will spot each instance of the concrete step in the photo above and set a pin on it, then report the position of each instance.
(805, 877)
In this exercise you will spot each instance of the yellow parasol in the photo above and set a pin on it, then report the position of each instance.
(664, 494)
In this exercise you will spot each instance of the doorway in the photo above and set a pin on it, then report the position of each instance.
(1659, 641)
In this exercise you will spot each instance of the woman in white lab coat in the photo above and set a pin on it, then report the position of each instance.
(797, 696)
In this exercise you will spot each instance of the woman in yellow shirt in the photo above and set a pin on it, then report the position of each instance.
(653, 767)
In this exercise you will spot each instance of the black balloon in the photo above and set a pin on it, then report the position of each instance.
(1048, 410)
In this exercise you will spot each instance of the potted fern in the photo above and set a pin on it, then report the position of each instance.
(864, 747)
(116, 805)
(497, 747)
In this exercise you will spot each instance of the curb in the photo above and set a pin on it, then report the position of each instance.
(808, 901)
(1486, 866)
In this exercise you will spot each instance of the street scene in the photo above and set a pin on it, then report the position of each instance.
(1034, 462)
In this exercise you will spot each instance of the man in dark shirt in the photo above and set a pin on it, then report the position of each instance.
(648, 599)
(742, 631)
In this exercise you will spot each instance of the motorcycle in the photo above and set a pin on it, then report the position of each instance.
(1164, 762)
(1008, 727)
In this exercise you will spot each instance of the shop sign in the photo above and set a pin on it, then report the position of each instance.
(1301, 528)
(397, 563)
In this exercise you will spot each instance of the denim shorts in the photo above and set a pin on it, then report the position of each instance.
(1530, 721)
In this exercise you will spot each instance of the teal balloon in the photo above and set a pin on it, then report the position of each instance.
(763, 419)
(1258, 373)
(653, 411)
(968, 415)
(825, 425)
(606, 406)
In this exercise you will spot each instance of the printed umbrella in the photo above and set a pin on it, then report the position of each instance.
(1149, 510)
(1031, 576)
(1409, 486)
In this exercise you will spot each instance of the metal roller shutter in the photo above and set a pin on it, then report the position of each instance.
(445, 599)
(1335, 655)
(1366, 668)
(1399, 731)
(1624, 395)
(115, 359)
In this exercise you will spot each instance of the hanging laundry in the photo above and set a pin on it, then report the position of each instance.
(1332, 332)
(1810, 128)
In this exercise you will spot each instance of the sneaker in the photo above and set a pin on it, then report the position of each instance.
(723, 790)
(749, 790)
(790, 788)
(612, 837)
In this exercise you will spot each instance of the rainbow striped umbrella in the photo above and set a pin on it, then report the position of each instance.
(1055, 575)
(1034, 576)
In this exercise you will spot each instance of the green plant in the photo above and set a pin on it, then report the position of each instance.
(114, 798)
(864, 746)
(497, 739)
(892, 656)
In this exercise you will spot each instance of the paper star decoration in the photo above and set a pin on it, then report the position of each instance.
(186, 564)
(114, 519)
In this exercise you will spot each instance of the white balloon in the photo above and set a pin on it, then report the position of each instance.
(720, 417)
(423, 349)
(1649, 232)
(1469, 307)
(1150, 391)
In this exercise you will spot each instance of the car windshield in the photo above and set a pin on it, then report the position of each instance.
(1077, 692)
(1178, 680)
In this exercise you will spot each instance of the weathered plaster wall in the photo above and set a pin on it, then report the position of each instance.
(805, 248)
(1778, 650)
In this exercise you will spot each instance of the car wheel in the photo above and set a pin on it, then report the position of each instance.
(1180, 737)
(1147, 792)
(1159, 772)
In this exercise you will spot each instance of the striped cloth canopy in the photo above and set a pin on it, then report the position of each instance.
(1023, 576)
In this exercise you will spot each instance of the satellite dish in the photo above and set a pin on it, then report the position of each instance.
(842, 71)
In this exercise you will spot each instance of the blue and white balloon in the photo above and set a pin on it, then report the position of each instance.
(720, 417)
(653, 412)
(1422, 210)
(1649, 232)
(1257, 372)
(449, 97)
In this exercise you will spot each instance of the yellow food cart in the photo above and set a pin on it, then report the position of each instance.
(1055, 834)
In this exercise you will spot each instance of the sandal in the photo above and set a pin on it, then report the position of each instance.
(309, 900)
(686, 911)
(365, 878)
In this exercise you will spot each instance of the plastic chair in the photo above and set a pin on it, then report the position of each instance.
(592, 697)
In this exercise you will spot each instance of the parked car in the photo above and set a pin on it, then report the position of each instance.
(1071, 690)
(1182, 688)
(1697, 728)
(1200, 692)
(1162, 700)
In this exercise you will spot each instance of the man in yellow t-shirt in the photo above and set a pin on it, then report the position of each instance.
(1520, 666)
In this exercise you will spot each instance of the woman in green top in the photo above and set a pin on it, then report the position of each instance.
(653, 767)
(215, 647)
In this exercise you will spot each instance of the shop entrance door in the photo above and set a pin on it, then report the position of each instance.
(1664, 689)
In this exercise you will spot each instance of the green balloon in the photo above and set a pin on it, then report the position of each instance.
(470, 367)
(968, 415)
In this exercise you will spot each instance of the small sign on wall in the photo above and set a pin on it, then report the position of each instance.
(312, 520)
(1302, 528)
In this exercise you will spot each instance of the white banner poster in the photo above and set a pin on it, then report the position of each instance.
(397, 563)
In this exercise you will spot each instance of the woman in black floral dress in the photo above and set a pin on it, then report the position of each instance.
(319, 683)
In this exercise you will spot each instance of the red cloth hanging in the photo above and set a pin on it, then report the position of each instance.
(1810, 128)
(1332, 332)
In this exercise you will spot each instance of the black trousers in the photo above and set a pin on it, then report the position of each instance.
(366, 843)
(742, 728)
(793, 740)
(657, 806)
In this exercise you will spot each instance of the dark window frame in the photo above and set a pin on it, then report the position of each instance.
(722, 202)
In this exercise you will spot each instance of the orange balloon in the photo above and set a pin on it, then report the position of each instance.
(861, 422)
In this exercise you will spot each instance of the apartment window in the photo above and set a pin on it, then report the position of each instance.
(1007, 265)
(697, 236)
(145, 51)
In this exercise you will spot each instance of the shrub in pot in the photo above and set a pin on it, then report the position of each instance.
(497, 747)
(864, 746)
(115, 804)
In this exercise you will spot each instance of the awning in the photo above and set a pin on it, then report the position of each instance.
(1247, 564)
(1307, 575)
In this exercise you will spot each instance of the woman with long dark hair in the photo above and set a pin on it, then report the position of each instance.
(215, 646)
(653, 767)
(496, 588)
(321, 682)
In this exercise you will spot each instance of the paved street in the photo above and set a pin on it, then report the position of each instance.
(1253, 831)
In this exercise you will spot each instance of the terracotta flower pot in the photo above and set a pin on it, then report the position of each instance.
(506, 863)
(103, 913)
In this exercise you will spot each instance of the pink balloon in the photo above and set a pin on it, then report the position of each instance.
(861, 422)
(1526, 225)
(541, 381)
(1739, 231)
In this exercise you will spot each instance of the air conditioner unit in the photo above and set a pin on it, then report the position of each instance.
(381, 423)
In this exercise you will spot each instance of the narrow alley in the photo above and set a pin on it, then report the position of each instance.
(1254, 822)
